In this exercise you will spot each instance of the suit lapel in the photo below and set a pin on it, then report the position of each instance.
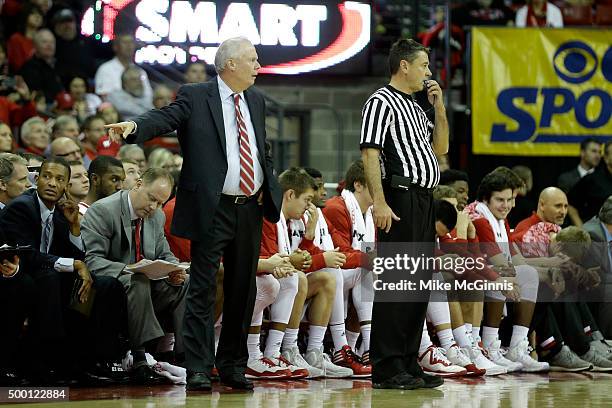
(214, 102)
(126, 218)
(254, 107)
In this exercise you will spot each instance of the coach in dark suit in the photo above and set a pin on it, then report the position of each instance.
(49, 223)
(225, 188)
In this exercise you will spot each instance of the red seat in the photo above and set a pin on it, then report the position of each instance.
(577, 15)
(603, 15)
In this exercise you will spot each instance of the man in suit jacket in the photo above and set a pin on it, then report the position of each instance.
(590, 155)
(225, 188)
(114, 240)
(600, 230)
(48, 221)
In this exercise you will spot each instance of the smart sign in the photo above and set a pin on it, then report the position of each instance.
(291, 37)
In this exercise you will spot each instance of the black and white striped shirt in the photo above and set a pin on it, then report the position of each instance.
(395, 124)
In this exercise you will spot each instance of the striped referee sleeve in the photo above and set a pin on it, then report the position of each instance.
(376, 117)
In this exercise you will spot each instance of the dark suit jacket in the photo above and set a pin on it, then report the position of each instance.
(21, 224)
(598, 252)
(568, 180)
(197, 116)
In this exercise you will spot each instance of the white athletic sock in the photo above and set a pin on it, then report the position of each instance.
(518, 334)
(446, 338)
(273, 343)
(315, 337)
(489, 335)
(351, 338)
(476, 333)
(338, 335)
(468, 328)
(290, 338)
(253, 346)
(425, 340)
(365, 337)
(461, 337)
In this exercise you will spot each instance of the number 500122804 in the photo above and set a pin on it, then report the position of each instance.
(31, 394)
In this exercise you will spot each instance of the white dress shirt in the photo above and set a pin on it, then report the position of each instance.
(108, 78)
(231, 186)
(62, 264)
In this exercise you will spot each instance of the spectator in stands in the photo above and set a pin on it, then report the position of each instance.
(66, 148)
(600, 229)
(483, 13)
(78, 186)
(134, 152)
(13, 178)
(108, 77)
(539, 13)
(20, 46)
(18, 105)
(104, 226)
(589, 194)
(108, 112)
(162, 96)
(39, 71)
(106, 177)
(85, 103)
(590, 155)
(524, 204)
(458, 180)
(162, 158)
(68, 344)
(195, 73)
(65, 126)
(35, 136)
(131, 100)
(73, 53)
(132, 174)
(93, 130)
(7, 143)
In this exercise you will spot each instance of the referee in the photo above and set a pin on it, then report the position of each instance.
(399, 146)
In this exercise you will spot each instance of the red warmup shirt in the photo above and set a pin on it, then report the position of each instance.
(19, 49)
(467, 248)
(341, 230)
(523, 226)
(180, 247)
(487, 237)
(269, 246)
(14, 114)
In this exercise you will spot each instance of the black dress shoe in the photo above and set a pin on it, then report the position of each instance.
(237, 382)
(198, 382)
(10, 378)
(431, 381)
(90, 379)
(401, 381)
(144, 375)
(113, 370)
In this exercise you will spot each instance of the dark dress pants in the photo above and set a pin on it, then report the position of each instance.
(397, 326)
(235, 236)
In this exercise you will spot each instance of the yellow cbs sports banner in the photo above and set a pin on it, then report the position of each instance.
(539, 92)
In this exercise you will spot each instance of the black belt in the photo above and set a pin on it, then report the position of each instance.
(404, 183)
(239, 199)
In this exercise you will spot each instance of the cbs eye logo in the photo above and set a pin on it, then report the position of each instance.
(576, 62)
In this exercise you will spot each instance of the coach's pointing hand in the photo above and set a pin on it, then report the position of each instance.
(117, 131)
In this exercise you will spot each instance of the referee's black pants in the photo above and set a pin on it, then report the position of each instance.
(397, 327)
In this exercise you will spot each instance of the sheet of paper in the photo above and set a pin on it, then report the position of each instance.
(154, 270)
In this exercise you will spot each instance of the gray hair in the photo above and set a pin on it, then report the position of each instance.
(228, 49)
(62, 121)
(605, 213)
(40, 33)
(14, 158)
(6, 170)
(127, 149)
(26, 128)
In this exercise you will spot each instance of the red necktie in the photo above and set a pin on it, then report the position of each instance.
(137, 239)
(247, 174)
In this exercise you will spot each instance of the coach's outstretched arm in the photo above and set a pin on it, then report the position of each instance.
(154, 122)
